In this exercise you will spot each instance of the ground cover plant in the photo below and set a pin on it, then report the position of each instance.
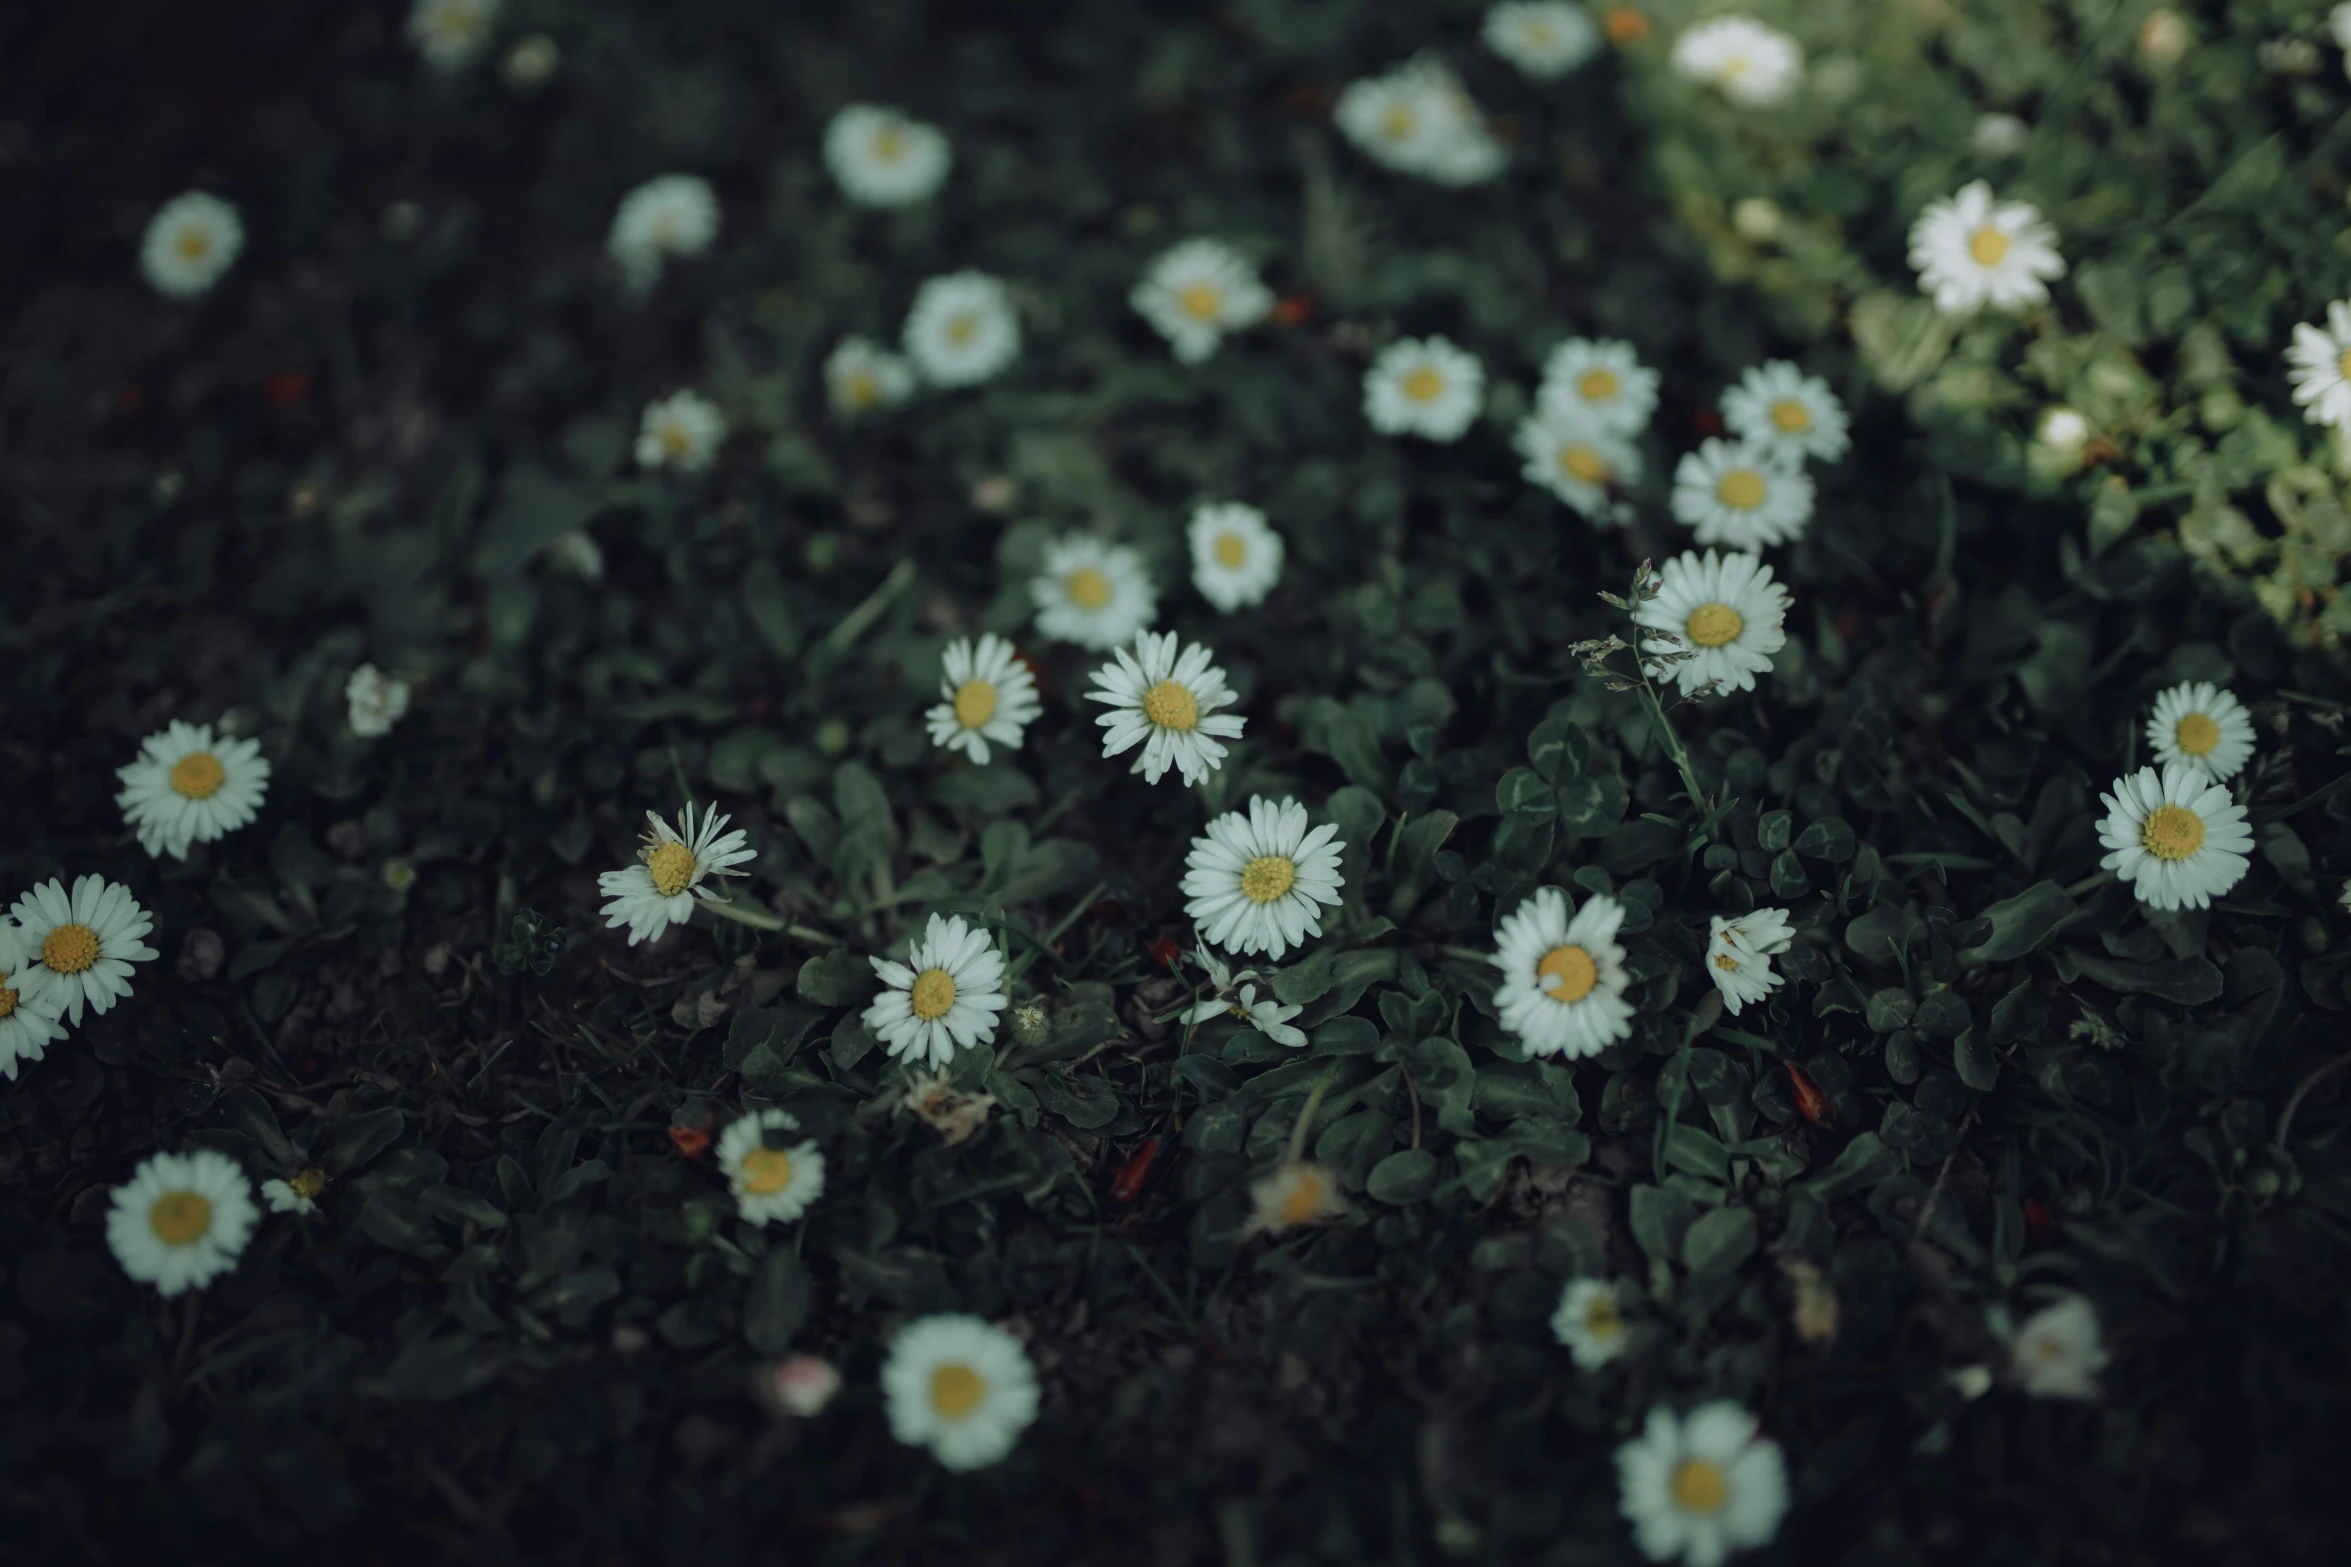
(1266, 783)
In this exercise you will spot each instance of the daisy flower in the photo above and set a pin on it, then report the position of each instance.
(452, 34)
(2320, 360)
(1425, 387)
(1754, 66)
(883, 159)
(1259, 882)
(945, 997)
(800, 1385)
(80, 948)
(860, 375)
(1971, 251)
(298, 1196)
(1739, 953)
(1295, 1194)
(1703, 1486)
(2177, 838)
(1545, 39)
(2201, 726)
(1418, 120)
(671, 215)
(990, 696)
(1601, 381)
(1779, 409)
(26, 1024)
(1999, 135)
(1563, 980)
(1164, 697)
(188, 788)
(1577, 459)
(375, 701)
(191, 241)
(770, 1181)
(2062, 429)
(659, 890)
(182, 1220)
(961, 330)
(1269, 1017)
(1590, 1322)
(1724, 609)
(1739, 494)
(961, 1387)
(1094, 594)
(683, 431)
(1196, 293)
(2059, 1352)
(1236, 558)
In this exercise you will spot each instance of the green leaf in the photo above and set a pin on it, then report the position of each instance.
(2020, 924)
(1321, 972)
(763, 606)
(777, 1302)
(1661, 1216)
(1697, 1151)
(836, 977)
(360, 1138)
(1860, 1163)
(1559, 748)
(1345, 735)
(534, 509)
(1978, 1067)
(2189, 984)
(1087, 1103)
(1719, 1241)
(1405, 1176)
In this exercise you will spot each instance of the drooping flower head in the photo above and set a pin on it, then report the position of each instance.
(1739, 953)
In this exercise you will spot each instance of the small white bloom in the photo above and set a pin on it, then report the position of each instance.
(1563, 980)
(2201, 726)
(2339, 28)
(1196, 293)
(961, 1387)
(1545, 39)
(1293, 1194)
(1269, 1017)
(2163, 37)
(945, 997)
(1999, 135)
(182, 1220)
(1779, 409)
(861, 375)
(1590, 1322)
(1739, 953)
(1726, 609)
(1602, 381)
(1757, 219)
(451, 34)
(801, 1385)
(531, 63)
(2320, 360)
(1702, 1486)
(1735, 493)
(883, 159)
(1425, 387)
(990, 696)
(1418, 120)
(1971, 251)
(1577, 459)
(79, 948)
(27, 1024)
(2177, 838)
(1258, 882)
(2059, 1352)
(188, 787)
(769, 1182)
(1094, 594)
(578, 553)
(962, 330)
(2061, 429)
(1164, 697)
(298, 1196)
(375, 701)
(683, 431)
(1754, 66)
(191, 241)
(1236, 558)
(670, 215)
(659, 890)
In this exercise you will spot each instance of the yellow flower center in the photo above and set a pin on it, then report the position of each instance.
(1087, 588)
(1424, 384)
(309, 1181)
(861, 392)
(671, 865)
(1231, 551)
(956, 1390)
(676, 439)
(932, 995)
(193, 243)
(1601, 1318)
(1268, 877)
(1201, 300)
(1303, 1202)
(889, 144)
(1583, 463)
(197, 775)
(1700, 1487)
(2343, 364)
(7, 1000)
(1597, 386)
(1791, 415)
(665, 230)
(766, 1171)
(1398, 124)
(180, 1217)
(960, 329)
(1573, 968)
(1741, 487)
(2196, 734)
(1727, 963)
(1987, 245)
(69, 949)
(2172, 832)
(1711, 625)
(975, 703)
(1171, 706)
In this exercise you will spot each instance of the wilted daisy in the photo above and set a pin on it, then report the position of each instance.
(860, 375)
(962, 329)
(1725, 609)
(1259, 881)
(683, 431)
(1703, 1486)
(1590, 1322)
(882, 158)
(1577, 459)
(1094, 594)
(961, 1387)
(1425, 387)
(1735, 493)
(1294, 1194)
(2177, 838)
(298, 1195)
(670, 215)
(1236, 558)
(1601, 381)
(1197, 292)
(990, 696)
(1164, 697)
(2059, 1351)
(659, 890)
(1545, 39)
(191, 241)
(2201, 726)
(374, 701)
(1754, 66)
(1739, 953)
(1781, 410)
(945, 997)
(2320, 359)
(188, 787)
(26, 1023)
(1563, 980)
(770, 1181)
(182, 1220)
(451, 34)
(1971, 251)
(79, 948)
(1236, 997)
(1417, 119)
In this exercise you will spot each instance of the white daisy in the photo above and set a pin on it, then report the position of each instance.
(1295, 1193)
(1545, 39)
(298, 1196)
(375, 701)
(191, 241)
(683, 431)
(182, 1220)
(1164, 697)
(860, 375)
(1781, 410)
(1196, 293)
(1563, 980)
(188, 788)
(1739, 953)
(670, 215)
(2320, 360)
(1754, 66)
(1590, 1322)
(659, 890)
(1418, 120)
(990, 696)
(883, 159)
(2177, 838)
(1725, 609)
(1259, 882)
(2062, 429)
(1269, 1017)
(1236, 558)
(962, 330)
(27, 1025)
(2059, 1351)
(945, 997)
(1999, 135)
(1734, 493)
(451, 34)
(1971, 251)
(79, 948)
(961, 1387)
(1602, 381)
(1425, 387)
(770, 1181)
(2201, 726)
(1577, 459)
(1702, 1486)
(1094, 594)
